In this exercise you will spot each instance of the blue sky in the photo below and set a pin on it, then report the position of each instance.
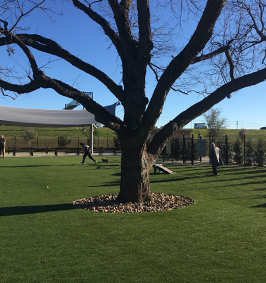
(75, 32)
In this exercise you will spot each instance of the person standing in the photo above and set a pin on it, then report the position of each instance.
(215, 158)
(86, 152)
(2, 146)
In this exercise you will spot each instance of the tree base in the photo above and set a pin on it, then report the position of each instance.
(109, 203)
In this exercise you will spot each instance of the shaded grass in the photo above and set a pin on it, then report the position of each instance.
(221, 238)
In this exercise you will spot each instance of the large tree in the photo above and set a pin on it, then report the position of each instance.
(224, 53)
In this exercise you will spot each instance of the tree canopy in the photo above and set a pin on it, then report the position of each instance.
(213, 47)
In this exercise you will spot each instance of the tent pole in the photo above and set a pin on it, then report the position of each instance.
(91, 138)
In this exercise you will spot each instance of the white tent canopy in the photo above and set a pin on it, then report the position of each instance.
(32, 117)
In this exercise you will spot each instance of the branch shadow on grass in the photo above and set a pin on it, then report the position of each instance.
(259, 205)
(30, 209)
(25, 166)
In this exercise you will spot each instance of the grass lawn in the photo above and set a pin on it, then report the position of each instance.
(220, 238)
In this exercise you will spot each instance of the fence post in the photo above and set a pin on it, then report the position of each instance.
(226, 150)
(173, 149)
(192, 151)
(184, 149)
(197, 149)
(244, 140)
(78, 147)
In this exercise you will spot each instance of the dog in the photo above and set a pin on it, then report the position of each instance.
(105, 160)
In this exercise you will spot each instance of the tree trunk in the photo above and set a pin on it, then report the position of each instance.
(135, 168)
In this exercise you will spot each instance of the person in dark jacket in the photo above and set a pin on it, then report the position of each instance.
(215, 158)
(2, 146)
(86, 152)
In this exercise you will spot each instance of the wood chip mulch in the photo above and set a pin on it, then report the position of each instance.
(109, 203)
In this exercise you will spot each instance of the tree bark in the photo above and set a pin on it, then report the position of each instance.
(135, 168)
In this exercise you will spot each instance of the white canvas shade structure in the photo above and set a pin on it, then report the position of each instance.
(32, 117)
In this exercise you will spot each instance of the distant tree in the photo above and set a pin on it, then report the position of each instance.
(242, 134)
(29, 135)
(191, 150)
(176, 148)
(238, 151)
(215, 122)
(63, 141)
(226, 150)
(250, 152)
(211, 47)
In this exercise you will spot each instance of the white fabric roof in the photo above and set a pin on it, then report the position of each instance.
(15, 116)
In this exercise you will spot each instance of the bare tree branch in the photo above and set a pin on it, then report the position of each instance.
(101, 114)
(145, 36)
(102, 22)
(178, 65)
(231, 64)
(258, 30)
(26, 88)
(8, 95)
(212, 54)
(201, 107)
(5, 24)
(23, 14)
(14, 39)
(49, 46)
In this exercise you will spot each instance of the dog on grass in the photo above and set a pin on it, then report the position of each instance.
(105, 160)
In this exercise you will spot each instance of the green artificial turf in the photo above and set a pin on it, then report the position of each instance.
(220, 238)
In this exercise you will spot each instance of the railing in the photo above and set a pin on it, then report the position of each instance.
(52, 144)
(239, 150)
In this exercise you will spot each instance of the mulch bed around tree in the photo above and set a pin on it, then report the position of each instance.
(109, 203)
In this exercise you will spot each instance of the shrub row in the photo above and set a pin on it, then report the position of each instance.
(238, 151)
(245, 152)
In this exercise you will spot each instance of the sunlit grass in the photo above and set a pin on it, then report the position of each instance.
(220, 238)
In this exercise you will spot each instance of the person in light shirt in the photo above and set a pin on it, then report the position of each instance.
(215, 158)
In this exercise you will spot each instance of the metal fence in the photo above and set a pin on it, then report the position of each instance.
(238, 150)
(20, 144)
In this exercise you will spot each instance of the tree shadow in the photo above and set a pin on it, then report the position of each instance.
(25, 166)
(259, 205)
(30, 209)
